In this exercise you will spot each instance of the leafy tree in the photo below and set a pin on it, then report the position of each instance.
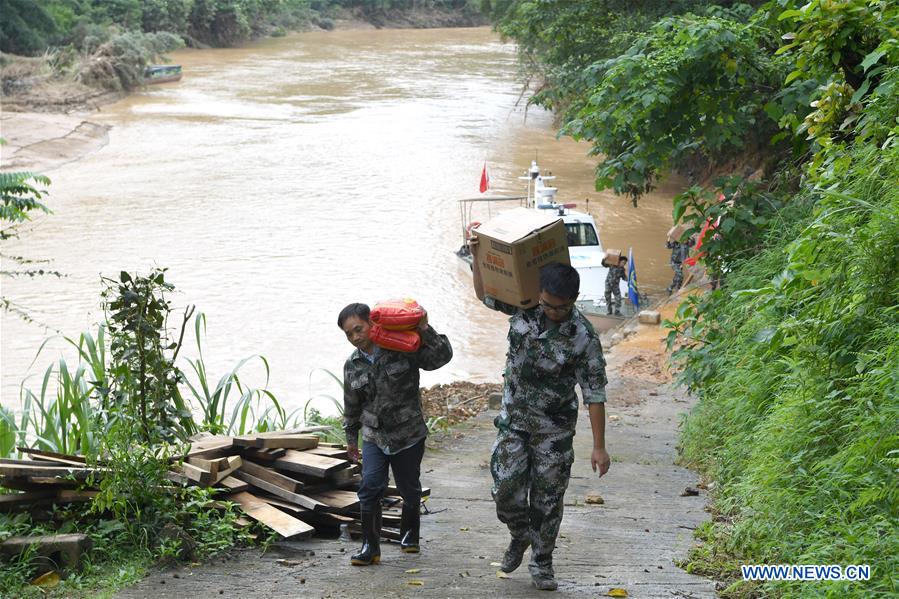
(21, 194)
(166, 15)
(693, 85)
(24, 27)
(124, 13)
(144, 380)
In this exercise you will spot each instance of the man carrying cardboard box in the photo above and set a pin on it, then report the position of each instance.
(617, 272)
(552, 347)
(679, 252)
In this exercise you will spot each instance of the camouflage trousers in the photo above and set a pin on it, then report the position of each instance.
(530, 475)
(678, 276)
(613, 288)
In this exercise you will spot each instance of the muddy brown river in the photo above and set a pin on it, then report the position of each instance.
(280, 181)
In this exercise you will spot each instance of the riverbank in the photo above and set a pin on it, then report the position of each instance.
(632, 540)
(33, 84)
(41, 142)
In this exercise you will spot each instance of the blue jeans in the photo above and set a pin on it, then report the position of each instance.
(406, 467)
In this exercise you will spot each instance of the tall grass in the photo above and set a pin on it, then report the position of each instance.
(69, 412)
(797, 370)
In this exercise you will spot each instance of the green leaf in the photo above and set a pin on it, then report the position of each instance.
(861, 91)
(872, 58)
(790, 14)
(792, 76)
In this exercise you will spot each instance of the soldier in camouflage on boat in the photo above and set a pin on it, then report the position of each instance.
(552, 347)
(382, 398)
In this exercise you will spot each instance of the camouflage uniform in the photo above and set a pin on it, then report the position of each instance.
(383, 398)
(616, 273)
(679, 252)
(533, 453)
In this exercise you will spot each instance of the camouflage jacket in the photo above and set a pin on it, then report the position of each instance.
(616, 273)
(383, 398)
(679, 251)
(542, 367)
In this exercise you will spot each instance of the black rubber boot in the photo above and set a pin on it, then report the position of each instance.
(514, 554)
(410, 528)
(542, 573)
(371, 541)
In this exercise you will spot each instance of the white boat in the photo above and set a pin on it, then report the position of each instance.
(584, 246)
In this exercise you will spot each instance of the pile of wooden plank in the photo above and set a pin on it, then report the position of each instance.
(288, 481)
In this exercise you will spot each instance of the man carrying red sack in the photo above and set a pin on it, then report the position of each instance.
(381, 396)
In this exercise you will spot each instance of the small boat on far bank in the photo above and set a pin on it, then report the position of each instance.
(162, 73)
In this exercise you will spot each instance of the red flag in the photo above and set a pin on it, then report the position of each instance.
(485, 179)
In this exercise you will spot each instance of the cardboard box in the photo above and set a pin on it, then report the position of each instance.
(676, 232)
(513, 247)
(612, 257)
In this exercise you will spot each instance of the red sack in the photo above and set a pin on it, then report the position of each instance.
(402, 341)
(398, 314)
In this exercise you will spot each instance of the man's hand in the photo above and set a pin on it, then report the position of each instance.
(600, 459)
(352, 452)
(423, 323)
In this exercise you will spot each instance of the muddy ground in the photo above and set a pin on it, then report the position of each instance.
(40, 142)
(631, 541)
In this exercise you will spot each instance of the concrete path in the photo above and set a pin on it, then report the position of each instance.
(629, 542)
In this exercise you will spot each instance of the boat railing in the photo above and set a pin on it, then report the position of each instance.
(466, 209)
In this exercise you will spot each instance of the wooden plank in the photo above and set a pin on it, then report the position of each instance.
(19, 468)
(197, 474)
(208, 448)
(69, 496)
(392, 491)
(233, 484)
(291, 442)
(284, 524)
(177, 477)
(337, 499)
(16, 501)
(309, 463)
(278, 440)
(213, 465)
(317, 519)
(386, 533)
(296, 498)
(233, 463)
(262, 455)
(345, 477)
(276, 478)
(51, 456)
(331, 452)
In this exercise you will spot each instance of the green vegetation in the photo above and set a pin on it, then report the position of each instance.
(21, 195)
(794, 355)
(29, 27)
(127, 402)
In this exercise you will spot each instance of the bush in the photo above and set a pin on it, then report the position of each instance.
(119, 64)
(795, 365)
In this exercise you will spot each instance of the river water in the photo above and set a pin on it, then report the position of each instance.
(280, 181)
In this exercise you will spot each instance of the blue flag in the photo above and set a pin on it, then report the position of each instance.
(632, 292)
